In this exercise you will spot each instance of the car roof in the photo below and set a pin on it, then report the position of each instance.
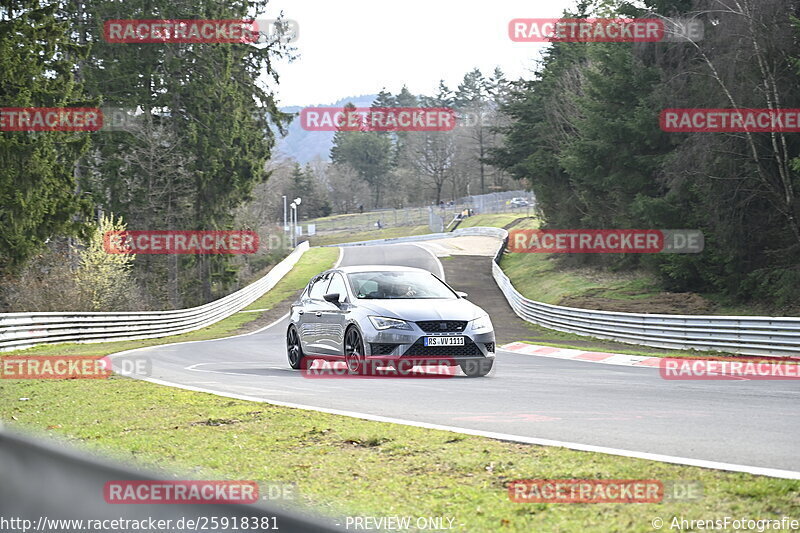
(379, 268)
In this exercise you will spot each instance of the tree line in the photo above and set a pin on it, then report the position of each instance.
(198, 145)
(584, 135)
(397, 169)
(401, 168)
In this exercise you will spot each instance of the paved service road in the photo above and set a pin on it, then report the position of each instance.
(750, 423)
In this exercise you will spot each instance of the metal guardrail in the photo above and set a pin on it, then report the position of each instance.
(746, 335)
(23, 330)
(57, 489)
(756, 335)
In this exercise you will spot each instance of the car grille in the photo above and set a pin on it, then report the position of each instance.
(382, 348)
(442, 326)
(470, 349)
(489, 346)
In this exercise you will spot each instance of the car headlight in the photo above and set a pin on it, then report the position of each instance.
(482, 323)
(382, 322)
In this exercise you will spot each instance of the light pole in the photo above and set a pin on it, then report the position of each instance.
(285, 227)
(297, 202)
(292, 219)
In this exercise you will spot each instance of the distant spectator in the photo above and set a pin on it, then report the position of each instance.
(378, 224)
(360, 208)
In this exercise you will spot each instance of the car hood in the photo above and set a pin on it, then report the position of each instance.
(422, 309)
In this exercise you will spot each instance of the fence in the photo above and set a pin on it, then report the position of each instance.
(496, 202)
(23, 330)
(411, 216)
(436, 216)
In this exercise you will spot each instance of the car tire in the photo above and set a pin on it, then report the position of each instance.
(476, 368)
(354, 353)
(294, 348)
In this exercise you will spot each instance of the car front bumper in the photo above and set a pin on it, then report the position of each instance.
(395, 344)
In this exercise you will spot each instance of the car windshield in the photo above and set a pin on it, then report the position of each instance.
(398, 285)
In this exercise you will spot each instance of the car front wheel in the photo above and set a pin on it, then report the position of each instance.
(294, 349)
(354, 353)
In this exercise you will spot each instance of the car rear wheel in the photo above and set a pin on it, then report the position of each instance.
(476, 368)
(354, 353)
(294, 349)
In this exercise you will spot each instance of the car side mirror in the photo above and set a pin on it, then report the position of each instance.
(462, 294)
(332, 297)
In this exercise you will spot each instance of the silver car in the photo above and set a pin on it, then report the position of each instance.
(361, 314)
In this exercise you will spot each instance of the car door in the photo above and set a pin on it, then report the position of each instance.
(334, 317)
(311, 322)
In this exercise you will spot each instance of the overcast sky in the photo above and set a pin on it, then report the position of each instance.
(354, 47)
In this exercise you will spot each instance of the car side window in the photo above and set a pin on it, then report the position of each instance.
(318, 289)
(337, 286)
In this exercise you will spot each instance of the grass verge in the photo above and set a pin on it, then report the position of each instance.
(345, 466)
(323, 239)
(312, 262)
(500, 220)
(365, 221)
(542, 277)
(539, 277)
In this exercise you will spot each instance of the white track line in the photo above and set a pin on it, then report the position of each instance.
(756, 470)
(341, 255)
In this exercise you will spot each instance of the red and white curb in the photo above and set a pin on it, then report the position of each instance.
(581, 355)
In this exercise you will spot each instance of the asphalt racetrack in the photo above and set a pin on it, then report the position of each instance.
(749, 425)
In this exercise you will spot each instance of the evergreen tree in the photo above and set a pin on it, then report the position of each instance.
(38, 192)
(303, 184)
(401, 157)
(209, 96)
(369, 153)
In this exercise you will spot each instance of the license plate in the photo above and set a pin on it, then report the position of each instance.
(451, 340)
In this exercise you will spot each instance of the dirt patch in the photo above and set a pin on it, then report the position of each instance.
(678, 303)
(216, 422)
(367, 443)
(516, 222)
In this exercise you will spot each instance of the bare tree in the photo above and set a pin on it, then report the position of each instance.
(157, 176)
(433, 155)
